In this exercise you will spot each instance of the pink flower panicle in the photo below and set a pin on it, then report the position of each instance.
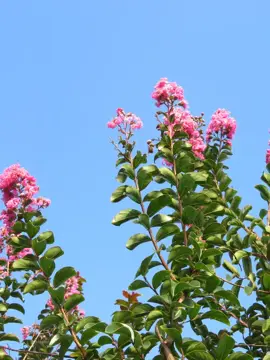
(268, 154)
(183, 120)
(221, 124)
(72, 286)
(18, 188)
(126, 122)
(167, 92)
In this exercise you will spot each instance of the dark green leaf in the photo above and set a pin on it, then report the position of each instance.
(54, 252)
(124, 216)
(47, 266)
(158, 204)
(35, 285)
(225, 346)
(167, 230)
(216, 315)
(136, 240)
(137, 284)
(50, 321)
(73, 301)
(63, 274)
(46, 236)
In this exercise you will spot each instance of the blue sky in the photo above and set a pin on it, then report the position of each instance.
(66, 66)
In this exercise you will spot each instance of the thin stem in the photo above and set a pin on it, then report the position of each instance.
(151, 287)
(73, 334)
(121, 353)
(32, 345)
(240, 286)
(150, 232)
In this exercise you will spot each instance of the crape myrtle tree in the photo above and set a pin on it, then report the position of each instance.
(206, 264)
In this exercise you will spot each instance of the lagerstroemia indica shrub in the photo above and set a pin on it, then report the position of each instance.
(207, 258)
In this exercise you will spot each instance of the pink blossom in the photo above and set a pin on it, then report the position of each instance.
(166, 92)
(167, 163)
(221, 123)
(268, 155)
(182, 120)
(15, 256)
(42, 202)
(126, 122)
(50, 304)
(25, 332)
(13, 203)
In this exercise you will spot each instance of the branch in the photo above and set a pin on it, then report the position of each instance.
(35, 352)
(167, 352)
(73, 334)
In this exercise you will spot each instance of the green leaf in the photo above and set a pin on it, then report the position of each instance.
(199, 355)
(127, 169)
(3, 307)
(211, 283)
(211, 252)
(143, 269)
(143, 219)
(225, 346)
(167, 230)
(179, 251)
(168, 175)
(266, 325)
(136, 240)
(264, 192)
(47, 266)
(35, 285)
(154, 315)
(159, 277)
(57, 295)
(118, 194)
(50, 321)
(104, 340)
(25, 264)
(158, 204)
(63, 274)
(228, 266)
(124, 216)
(145, 175)
(216, 315)
(199, 177)
(266, 281)
(228, 295)
(46, 236)
(240, 356)
(88, 319)
(38, 246)
(137, 284)
(54, 252)
(9, 337)
(31, 229)
(160, 219)
(17, 307)
(120, 328)
(133, 194)
(248, 290)
(73, 301)
(214, 229)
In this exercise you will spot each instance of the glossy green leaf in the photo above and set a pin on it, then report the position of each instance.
(73, 301)
(160, 219)
(46, 236)
(225, 346)
(54, 252)
(136, 240)
(138, 284)
(167, 230)
(47, 265)
(158, 204)
(63, 274)
(124, 216)
(216, 315)
(35, 285)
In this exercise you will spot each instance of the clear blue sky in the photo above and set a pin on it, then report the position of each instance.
(67, 65)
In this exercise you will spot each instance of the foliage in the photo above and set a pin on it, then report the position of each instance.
(205, 253)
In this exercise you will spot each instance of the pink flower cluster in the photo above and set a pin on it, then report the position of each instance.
(126, 122)
(25, 332)
(72, 286)
(268, 154)
(167, 92)
(223, 124)
(18, 188)
(185, 122)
